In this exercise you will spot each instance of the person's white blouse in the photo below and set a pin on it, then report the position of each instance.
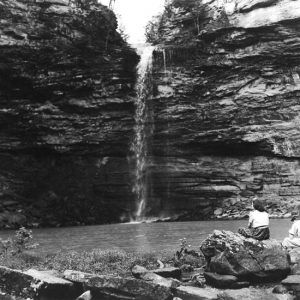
(295, 229)
(258, 219)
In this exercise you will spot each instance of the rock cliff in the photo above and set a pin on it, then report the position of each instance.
(226, 107)
(66, 113)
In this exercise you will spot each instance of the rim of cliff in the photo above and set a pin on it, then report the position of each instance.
(190, 22)
(61, 33)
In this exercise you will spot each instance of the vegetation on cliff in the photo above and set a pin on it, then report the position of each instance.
(192, 19)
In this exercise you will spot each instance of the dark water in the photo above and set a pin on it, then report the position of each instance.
(137, 237)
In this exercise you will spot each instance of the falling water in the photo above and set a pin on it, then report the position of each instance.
(139, 145)
(165, 60)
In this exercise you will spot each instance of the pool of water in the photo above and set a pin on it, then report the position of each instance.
(143, 237)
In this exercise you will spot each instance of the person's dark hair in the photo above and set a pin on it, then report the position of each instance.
(258, 205)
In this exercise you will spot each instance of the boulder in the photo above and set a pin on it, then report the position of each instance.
(85, 296)
(253, 294)
(137, 271)
(167, 282)
(194, 293)
(295, 269)
(229, 253)
(113, 287)
(168, 272)
(280, 289)
(218, 212)
(220, 281)
(32, 284)
(240, 285)
(292, 282)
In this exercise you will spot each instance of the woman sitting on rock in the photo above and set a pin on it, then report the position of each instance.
(293, 241)
(258, 226)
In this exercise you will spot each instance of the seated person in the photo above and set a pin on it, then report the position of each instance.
(258, 226)
(293, 241)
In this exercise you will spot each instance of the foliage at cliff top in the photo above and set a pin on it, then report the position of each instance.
(188, 26)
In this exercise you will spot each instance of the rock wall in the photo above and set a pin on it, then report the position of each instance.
(66, 114)
(226, 107)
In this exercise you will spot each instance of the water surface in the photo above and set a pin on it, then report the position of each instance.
(137, 237)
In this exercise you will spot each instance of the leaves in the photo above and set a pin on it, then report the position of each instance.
(19, 243)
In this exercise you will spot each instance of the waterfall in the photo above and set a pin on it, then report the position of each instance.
(165, 61)
(139, 144)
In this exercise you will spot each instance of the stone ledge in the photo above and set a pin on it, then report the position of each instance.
(33, 284)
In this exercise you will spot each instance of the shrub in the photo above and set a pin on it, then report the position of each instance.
(18, 244)
(188, 257)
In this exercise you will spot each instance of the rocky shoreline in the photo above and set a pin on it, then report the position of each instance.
(233, 267)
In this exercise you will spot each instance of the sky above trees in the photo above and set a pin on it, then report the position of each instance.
(134, 15)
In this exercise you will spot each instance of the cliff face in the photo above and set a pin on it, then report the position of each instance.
(226, 107)
(66, 113)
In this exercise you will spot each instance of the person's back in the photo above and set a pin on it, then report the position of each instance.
(258, 218)
(258, 226)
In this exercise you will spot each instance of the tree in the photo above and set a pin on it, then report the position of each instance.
(122, 31)
(111, 4)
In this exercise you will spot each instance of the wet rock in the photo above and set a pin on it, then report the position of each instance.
(188, 292)
(12, 219)
(195, 280)
(77, 276)
(185, 268)
(280, 289)
(218, 212)
(7, 203)
(138, 271)
(240, 285)
(292, 282)
(220, 281)
(168, 272)
(250, 260)
(167, 282)
(85, 296)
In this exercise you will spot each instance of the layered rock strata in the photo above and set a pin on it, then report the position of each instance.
(66, 113)
(226, 107)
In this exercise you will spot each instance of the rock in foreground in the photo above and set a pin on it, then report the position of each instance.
(35, 285)
(228, 253)
(113, 287)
